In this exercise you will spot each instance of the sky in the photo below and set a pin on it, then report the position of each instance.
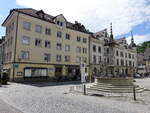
(96, 15)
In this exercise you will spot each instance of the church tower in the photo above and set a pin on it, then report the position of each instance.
(132, 44)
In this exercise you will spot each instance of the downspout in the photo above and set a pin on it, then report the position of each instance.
(15, 47)
(90, 77)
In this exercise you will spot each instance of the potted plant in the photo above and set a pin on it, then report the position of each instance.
(4, 78)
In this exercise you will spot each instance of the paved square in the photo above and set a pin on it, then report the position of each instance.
(52, 98)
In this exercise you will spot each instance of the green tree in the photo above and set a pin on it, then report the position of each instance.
(141, 47)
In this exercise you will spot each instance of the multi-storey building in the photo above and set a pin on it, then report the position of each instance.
(144, 62)
(38, 44)
(111, 57)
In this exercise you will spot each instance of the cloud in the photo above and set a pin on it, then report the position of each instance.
(97, 14)
(139, 38)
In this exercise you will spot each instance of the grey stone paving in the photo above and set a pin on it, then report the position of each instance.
(6, 108)
(47, 98)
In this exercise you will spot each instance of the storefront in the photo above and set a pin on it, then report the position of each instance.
(35, 72)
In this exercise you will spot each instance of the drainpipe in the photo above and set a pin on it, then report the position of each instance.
(15, 47)
(90, 77)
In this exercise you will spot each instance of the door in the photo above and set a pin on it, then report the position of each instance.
(58, 71)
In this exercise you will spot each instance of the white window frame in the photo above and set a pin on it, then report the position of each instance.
(38, 28)
(26, 40)
(27, 25)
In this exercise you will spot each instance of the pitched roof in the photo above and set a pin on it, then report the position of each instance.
(49, 18)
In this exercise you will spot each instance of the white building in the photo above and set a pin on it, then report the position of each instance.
(109, 57)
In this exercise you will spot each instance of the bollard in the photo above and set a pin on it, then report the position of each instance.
(134, 93)
(84, 88)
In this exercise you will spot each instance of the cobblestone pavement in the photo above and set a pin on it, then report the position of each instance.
(48, 98)
(6, 108)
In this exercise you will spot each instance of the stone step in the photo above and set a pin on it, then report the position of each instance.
(105, 84)
(123, 87)
(115, 88)
(106, 87)
(117, 91)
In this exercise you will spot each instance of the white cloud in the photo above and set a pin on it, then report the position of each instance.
(97, 14)
(139, 38)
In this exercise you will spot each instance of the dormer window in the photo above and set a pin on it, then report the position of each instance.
(59, 23)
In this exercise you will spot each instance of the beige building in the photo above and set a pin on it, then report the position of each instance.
(40, 45)
(119, 59)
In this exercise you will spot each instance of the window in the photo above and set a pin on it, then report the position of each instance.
(130, 63)
(59, 23)
(122, 62)
(35, 72)
(126, 55)
(48, 31)
(67, 36)
(78, 49)
(38, 42)
(67, 58)
(78, 38)
(7, 31)
(107, 60)
(94, 48)
(84, 50)
(121, 54)
(27, 25)
(67, 47)
(25, 54)
(129, 55)
(38, 28)
(59, 34)
(26, 40)
(99, 49)
(99, 59)
(58, 58)
(126, 63)
(78, 59)
(47, 44)
(94, 59)
(59, 46)
(84, 59)
(12, 26)
(84, 40)
(117, 53)
(132, 56)
(47, 57)
(107, 50)
(118, 62)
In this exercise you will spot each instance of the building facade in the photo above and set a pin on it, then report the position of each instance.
(40, 45)
(37, 44)
(109, 57)
(144, 63)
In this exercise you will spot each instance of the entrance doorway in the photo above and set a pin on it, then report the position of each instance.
(58, 71)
